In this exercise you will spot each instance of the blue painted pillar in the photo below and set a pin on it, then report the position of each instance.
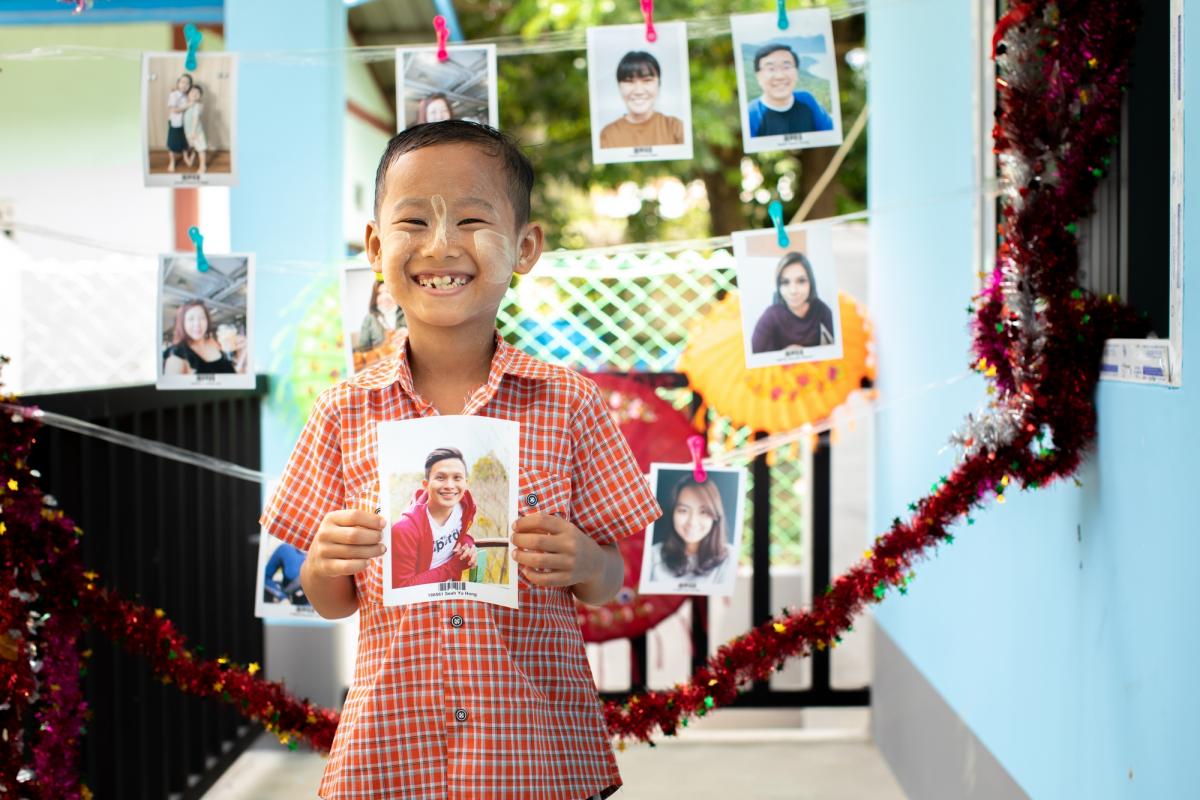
(287, 207)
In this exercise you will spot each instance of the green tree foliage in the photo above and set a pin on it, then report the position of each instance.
(544, 100)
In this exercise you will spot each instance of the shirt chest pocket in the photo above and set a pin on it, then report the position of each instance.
(545, 492)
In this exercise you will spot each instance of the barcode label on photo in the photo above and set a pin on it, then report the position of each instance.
(458, 586)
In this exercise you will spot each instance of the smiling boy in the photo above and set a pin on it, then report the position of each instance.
(430, 543)
(457, 700)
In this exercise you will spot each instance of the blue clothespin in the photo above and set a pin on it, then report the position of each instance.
(775, 209)
(198, 240)
(783, 20)
(191, 35)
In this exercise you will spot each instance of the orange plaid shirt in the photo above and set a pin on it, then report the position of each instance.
(464, 700)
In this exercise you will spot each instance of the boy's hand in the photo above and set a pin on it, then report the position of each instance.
(553, 552)
(345, 543)
(467, 553)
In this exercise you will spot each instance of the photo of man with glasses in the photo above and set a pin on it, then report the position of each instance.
(783, 109)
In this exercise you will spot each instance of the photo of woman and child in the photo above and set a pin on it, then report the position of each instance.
(204, 323)
(640, 131)
(788, 295)
(374, 335)
(693, 547)
(461, 87)
(187, 120)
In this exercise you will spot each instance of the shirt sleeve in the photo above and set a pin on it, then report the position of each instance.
(610, 497)
(311, 485)
(821, 120)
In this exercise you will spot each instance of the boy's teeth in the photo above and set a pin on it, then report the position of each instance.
(442, 281)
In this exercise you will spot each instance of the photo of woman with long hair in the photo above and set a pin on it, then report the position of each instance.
(694, 545)
(797, 316)
(197, 349)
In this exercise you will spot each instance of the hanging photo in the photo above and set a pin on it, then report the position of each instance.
(278, 593)
(372, 321)
(693, 547)
(189, 135)
(640, 93)
(789, 295)
(461, 87)
(205, 322)
(449, 494)
(787, 81)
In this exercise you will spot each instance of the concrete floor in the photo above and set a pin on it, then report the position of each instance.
(718, 761)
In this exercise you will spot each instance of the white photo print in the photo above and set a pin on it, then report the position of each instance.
(790, 311)
(640, 94)
(693, 547)
(448, 490)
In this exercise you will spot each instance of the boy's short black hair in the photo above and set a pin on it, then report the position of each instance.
(638, 64)
(774, 47)
(197, 87)
(454, 131)
(443, 454)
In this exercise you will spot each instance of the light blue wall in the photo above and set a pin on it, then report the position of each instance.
(287, 206)
(1061, 627)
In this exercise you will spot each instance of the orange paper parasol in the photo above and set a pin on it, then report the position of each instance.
(774, 399)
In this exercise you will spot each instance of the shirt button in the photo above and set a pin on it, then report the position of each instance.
(456, 621)
(531, 500)
(460, 714)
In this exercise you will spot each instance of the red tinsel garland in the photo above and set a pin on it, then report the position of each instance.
(1058, 130)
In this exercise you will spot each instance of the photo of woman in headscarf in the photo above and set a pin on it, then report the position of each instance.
(434, 107)
(797, 317)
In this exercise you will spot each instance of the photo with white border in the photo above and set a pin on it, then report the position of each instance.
(789, 295)
(278, 593)
(449, 495)
(205, 322)
(461, 87)
(373, 325)
(189, 120)
(787, 81)
(693, 547)
(640, 93)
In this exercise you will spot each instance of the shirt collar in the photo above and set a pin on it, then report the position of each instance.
(507, 360)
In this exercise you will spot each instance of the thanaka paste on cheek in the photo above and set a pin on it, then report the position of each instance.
(496, 255)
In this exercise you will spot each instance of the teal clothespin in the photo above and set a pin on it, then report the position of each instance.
(775, 209)
(783, 20)
(191, 35)
(198, 240)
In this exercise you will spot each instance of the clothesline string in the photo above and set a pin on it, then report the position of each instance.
(561, 263)
(230, 469)
(550, 42)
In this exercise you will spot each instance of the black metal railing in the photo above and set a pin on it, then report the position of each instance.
(820, 691)
(172, 536)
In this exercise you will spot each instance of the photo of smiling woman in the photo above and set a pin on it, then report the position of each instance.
(640, 95)
(204, 322)
(797, 316)
(693, 548)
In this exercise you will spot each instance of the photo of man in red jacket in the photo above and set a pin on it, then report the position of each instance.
(430, 543)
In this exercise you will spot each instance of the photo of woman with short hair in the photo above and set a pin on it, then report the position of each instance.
(639, 80)
(639, 94)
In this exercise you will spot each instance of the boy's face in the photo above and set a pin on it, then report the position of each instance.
(446, 240)
(446, 484)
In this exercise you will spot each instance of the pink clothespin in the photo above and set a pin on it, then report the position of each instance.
(443, 34)
(648, 13)
(80, 5)
(696, 445)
